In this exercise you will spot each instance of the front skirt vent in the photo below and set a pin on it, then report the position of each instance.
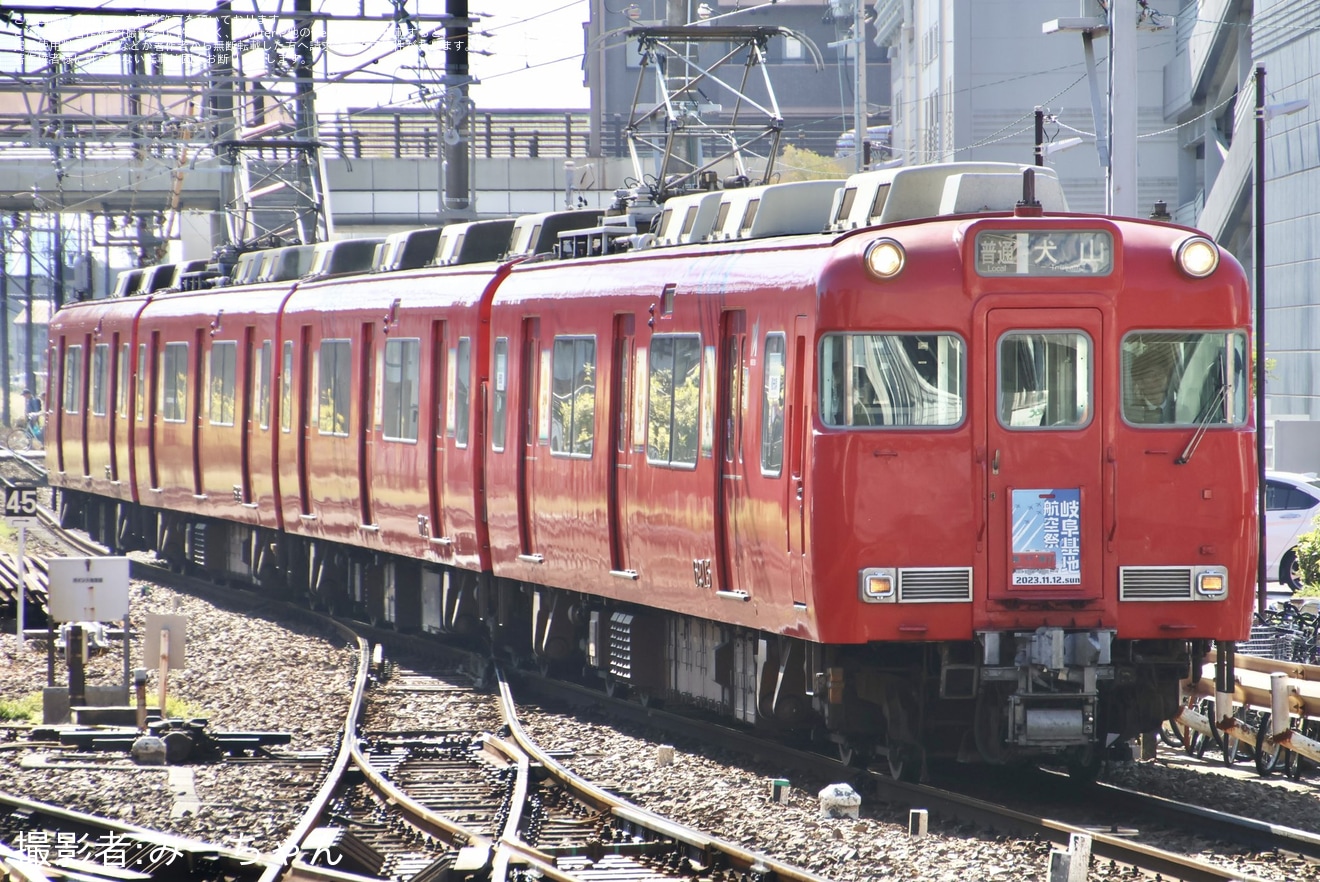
(935, 585)
(1155, 583)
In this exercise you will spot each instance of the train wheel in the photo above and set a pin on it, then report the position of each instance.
(905, 761)
(847, 753)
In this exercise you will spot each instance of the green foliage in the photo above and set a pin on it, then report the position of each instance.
(21, 710)
(797, 164)
(1308, 558)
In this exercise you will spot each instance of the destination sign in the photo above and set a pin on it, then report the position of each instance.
(1044, 253)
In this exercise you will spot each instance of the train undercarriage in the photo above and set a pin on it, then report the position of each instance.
(1048, 695)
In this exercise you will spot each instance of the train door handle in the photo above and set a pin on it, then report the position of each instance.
(994, 463)
(799, 491)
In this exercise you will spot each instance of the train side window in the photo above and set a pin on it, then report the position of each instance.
(224, 358)
(1045, 380)
(892, 380)
(174, 382)
(573, 397)
(400, 397)
(261, 380)
(100, 378)
(462, 374)
(121, 397)
(500, 399)
(141, 394)
(673, 418)
(772, 407)
(333, 395)
(72, 378)
(286, 387)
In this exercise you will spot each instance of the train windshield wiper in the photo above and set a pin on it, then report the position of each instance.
(1201, 426)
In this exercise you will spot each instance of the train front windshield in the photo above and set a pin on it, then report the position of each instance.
(1185, 378)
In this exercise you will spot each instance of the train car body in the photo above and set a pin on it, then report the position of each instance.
(945, 479)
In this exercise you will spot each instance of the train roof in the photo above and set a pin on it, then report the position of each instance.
(911, 192)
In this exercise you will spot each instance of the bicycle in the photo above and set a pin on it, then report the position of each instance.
(24, 437)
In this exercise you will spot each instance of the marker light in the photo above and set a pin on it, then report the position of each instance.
(878, 585)
(1198, 257)
(1212, 583)
(884, 258)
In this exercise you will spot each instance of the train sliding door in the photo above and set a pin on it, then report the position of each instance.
(620, 477)
(732, 512)
(1044, 454)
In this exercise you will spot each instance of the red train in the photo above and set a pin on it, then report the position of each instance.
(961, 475)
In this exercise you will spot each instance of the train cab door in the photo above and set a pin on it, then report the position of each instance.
(731, 509)
(1044, 455)
(620, 477)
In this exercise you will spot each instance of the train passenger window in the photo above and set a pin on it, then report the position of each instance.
(772, 407)
(675, 394)
(1173, 378)
(261, 382)
(100, 378)
(573, 397)
(892, 380)
(286, 387)
(400, 401)
(72, 379)
(141, 394)
(500, 399)
(462, 395)
(121, 405)
(174, 382)
(1044, 379)
(333, 389)
(224, 357)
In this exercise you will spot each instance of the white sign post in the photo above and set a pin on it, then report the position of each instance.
(20, 510)
(88, 589)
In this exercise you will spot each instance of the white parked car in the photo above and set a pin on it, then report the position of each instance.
(1292, 502)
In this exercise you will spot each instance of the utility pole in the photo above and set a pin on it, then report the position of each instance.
(859, 93)
(458, 182)
(1123, 101)
(4, 317)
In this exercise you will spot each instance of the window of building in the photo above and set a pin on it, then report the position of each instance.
(892, 380)
(673, 417)
(573, 396)
(224, 357)
(333, 390)
(174, 382)
(400, 398)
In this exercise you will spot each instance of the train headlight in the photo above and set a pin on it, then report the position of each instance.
(884, 258)
(879, 584)
(1212, 584)
(1198, 257)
